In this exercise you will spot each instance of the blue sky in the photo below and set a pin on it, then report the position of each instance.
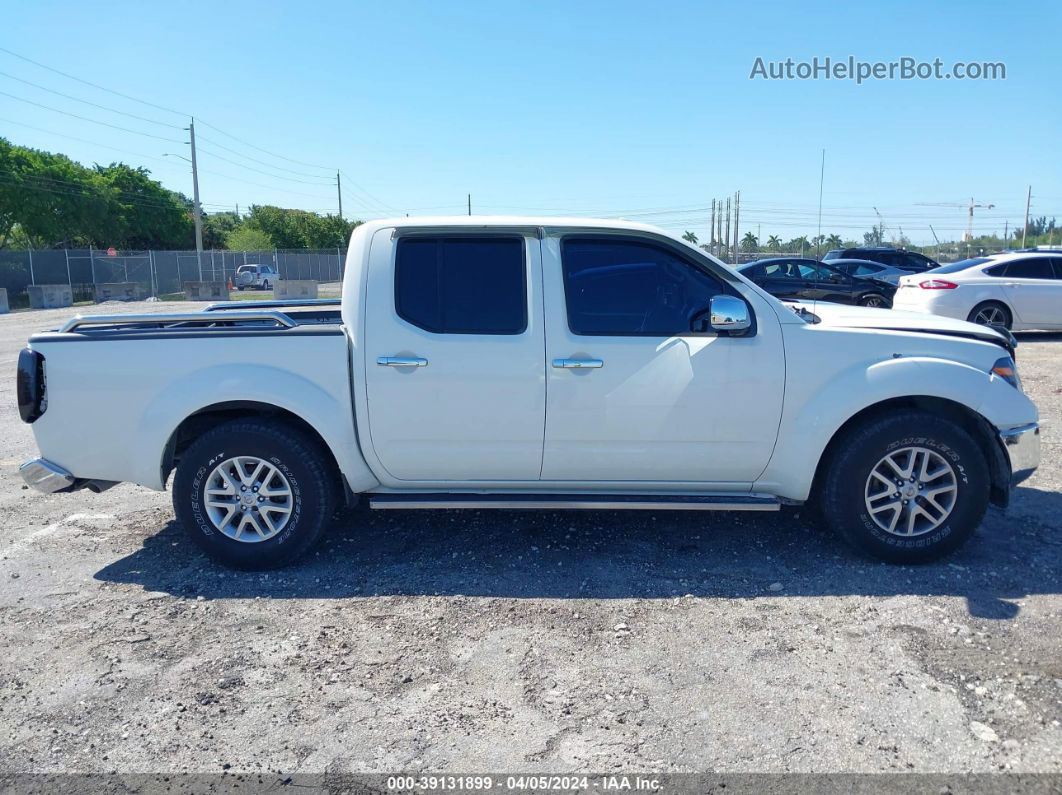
(603, 108)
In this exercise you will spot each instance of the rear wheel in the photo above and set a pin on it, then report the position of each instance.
(907, 487)
(991, 313)
(874, 301)
(255, 494)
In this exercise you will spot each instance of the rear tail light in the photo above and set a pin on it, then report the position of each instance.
(29, 387)
(937, 284)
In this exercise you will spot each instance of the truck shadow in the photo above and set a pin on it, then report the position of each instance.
(615, 555)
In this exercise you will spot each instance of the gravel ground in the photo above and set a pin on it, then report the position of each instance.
(505, 641)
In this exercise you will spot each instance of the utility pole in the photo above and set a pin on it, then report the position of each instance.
(339, 193)
(737, 213)
(1025, 229)
(727, 238)
(470, 204)
(1006, 233)
(719, 230)
(822, 174)
(197, 212)
(711, 230)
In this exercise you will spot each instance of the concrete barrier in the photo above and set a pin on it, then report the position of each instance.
(206, 291)
(50, 296)
(120, 291)
(295, 289)
(4, 308)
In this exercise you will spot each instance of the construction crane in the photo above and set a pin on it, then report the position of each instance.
(969, 207)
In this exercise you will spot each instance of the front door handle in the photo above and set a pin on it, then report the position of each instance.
(578, 364)
(401, 361)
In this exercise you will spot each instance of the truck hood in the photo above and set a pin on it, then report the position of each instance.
(843, 316)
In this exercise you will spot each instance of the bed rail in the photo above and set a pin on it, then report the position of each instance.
(297, 304)
(175, 319)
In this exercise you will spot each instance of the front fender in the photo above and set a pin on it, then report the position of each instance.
(813, 414)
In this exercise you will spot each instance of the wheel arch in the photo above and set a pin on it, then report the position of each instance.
(979, 428)
(199, 422)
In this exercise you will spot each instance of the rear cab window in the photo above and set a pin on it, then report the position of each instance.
(462, 284)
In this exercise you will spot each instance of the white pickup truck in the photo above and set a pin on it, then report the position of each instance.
(534, 363)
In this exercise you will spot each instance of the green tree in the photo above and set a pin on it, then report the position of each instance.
(51, 199)
(834, 241)
(749, 242)
(217, 227)
(247, 238)
(141, 213)
(774, 243)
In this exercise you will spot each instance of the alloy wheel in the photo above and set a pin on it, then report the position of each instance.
(248, 499)
(910, 492)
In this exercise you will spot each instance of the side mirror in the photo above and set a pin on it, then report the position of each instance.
(836, 278)
(729, 314)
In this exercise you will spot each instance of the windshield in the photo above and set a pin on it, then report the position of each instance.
(960, 266)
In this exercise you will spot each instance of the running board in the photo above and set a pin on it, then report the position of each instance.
(594, 502)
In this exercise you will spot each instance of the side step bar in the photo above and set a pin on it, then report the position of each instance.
(592, 502)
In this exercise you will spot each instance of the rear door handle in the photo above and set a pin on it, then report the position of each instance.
(401, 361)
(578, 364)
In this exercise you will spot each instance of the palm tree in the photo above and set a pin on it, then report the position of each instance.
(834, 241)
(750, 242)
(774, 243)
(689, 237)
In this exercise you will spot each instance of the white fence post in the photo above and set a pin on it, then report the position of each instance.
(33, 280)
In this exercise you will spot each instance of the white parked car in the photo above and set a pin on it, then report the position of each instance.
(533, 363)
(256, 277)
(1020, 290)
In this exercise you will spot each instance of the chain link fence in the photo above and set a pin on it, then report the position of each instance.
(156, 273)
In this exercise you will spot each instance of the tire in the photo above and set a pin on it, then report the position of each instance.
(849, 489)
(265, 285)
(981, 313)
(266, 539)
(875, 300)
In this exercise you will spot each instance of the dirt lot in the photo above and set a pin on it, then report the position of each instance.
(524, 642)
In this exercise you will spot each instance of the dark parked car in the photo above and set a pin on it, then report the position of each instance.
(810, 280)
(909, 261)
(871, 270)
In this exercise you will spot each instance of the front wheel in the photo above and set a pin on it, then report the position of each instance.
(874, 301)
(255, 493)
(907, 487)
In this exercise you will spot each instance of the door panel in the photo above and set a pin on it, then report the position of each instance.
(1033, 292)
(681, 407)
(475, 409)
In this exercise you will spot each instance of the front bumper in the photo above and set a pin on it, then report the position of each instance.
(1022, 446)
(45, 476)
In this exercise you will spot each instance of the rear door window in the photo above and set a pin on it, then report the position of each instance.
(462, 285)
(1031, 268)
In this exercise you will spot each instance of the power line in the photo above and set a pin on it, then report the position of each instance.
(85, 141)
(260, 149)
(86, 118)
(93, 104)
(94, 85)
(260, 162)
(259, 171)
(368, 199)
